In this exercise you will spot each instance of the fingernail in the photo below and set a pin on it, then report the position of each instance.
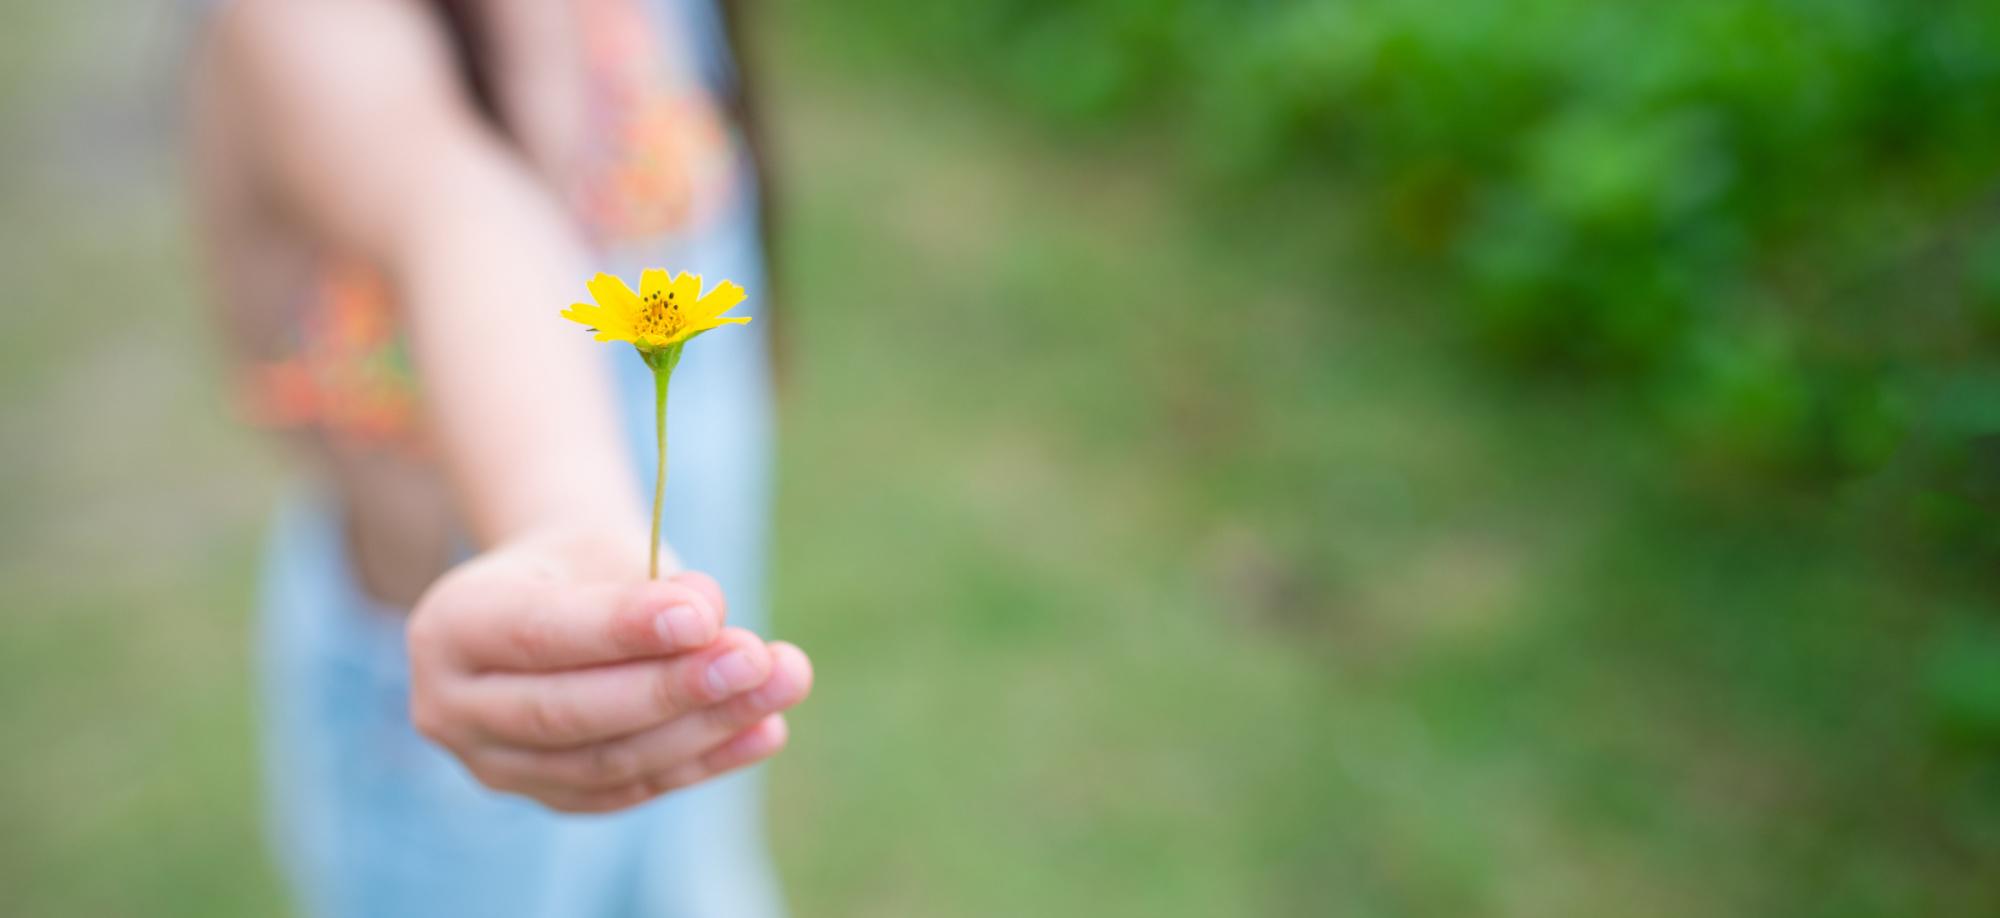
(681, 626)
(731, 674)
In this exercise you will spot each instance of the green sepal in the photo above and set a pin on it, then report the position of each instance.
(661, 359)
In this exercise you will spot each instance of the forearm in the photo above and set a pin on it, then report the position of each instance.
(366, 139)
(520, 405)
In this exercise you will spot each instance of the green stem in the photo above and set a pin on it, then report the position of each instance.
(662, 362)
(660, 477)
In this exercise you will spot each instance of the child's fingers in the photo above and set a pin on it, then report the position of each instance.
(556, 625)
(568, 709)
(754, 744)
(707, 587)
(617, 762)
(761, 741)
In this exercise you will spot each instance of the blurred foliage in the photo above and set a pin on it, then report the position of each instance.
(1771, 221)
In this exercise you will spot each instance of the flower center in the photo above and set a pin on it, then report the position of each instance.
(660, 315)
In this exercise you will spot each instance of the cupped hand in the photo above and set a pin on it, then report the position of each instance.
(549, 676)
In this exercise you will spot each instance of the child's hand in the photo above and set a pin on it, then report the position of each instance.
(587, 693)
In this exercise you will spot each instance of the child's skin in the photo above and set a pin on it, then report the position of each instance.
(546, 663)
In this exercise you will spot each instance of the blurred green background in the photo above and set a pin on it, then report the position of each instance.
(1280, 458)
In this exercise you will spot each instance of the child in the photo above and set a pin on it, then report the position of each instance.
(461, 651)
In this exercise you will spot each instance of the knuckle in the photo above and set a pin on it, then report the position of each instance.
(673, 686)
(705, 586)
(631, 795)
(633, 626)
(549, 720)
(770, 738)
(730, 717)
(667, 781)
(631, 630)
(486, 775)
(612, 764)
(531, 638)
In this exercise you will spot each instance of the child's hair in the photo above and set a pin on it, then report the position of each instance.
(468, 43)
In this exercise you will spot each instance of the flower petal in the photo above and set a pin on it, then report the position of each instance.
(612, 294)
(653, 282)
(692, 330)
(720, 321)
(723, 298)
(608, 325)
(685, 289)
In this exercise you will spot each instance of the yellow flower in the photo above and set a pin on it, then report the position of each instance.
(663, 314)
(658, 321)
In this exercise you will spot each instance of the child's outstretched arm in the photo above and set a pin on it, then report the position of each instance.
(545, 663)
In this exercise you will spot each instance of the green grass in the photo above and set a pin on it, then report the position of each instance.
(1145, 572)
(1149, 575)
